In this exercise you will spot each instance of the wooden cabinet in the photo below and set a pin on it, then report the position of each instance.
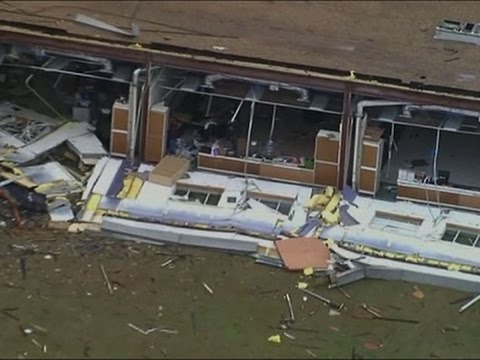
(156, 133)
(327, 147)
(253, 168)
(370, 166)
(444, 195)
(119, 130)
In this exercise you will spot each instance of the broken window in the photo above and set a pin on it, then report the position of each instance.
(404, 225)
(200, 196)
(462, 236)
(280, 204)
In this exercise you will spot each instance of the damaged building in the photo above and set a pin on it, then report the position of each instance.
(231, 137)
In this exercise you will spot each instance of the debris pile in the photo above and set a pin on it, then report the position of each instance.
(44, 162)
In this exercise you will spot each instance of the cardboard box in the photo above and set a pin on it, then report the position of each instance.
(169, 170)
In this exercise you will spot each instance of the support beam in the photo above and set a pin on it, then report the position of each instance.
(345, 137)
(249, 135)
(274, 119)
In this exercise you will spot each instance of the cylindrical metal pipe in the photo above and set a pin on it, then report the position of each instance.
(132, 113)
(249, 135)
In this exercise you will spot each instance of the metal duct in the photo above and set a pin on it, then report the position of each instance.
(304, 93)
(408, 108)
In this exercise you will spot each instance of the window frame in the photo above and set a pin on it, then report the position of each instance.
(271, 198)
(458, 229)
(411, 224)
(188, 189)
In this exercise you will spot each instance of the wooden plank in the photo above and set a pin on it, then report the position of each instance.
(325, 174)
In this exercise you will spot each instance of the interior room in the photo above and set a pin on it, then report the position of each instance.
(454, 161)
(216, 122)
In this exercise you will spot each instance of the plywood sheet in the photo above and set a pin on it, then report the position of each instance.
(301, 253)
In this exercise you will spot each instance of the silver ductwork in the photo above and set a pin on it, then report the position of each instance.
(274, 86)
(106, 65)
(409, 108)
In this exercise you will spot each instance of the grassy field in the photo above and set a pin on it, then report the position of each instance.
(63, 291)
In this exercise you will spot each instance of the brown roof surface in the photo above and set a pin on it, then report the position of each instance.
(383, 39)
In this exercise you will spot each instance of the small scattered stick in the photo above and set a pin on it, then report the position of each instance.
(107, 282)
(168, 262)
(141, 331)
(371, 311)
(290, 307)
(468, 304)
(311, 353)
(323, 299)
(208, 288)
(37, 343)
(39, 328)
(287, 335)
(344, 293)
(167, 331)
(294, 329)
(454, 302)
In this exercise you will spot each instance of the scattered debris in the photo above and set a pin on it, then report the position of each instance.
(275, 339)
(141, 331)
(168, 262)
(302, 253)
(311, 353)
(87, 20)
(324, 299)
(27, 331)
(418, 293)
(219, 48)
(377, 316)
(333, 312)
(288, 335)
(302, 285)
(468, 304)
(208, 288)
(372, 345)
(371, 310)
(344, 293)
(105, 278)
(308, 271)
(449, 328)
(290, 308)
